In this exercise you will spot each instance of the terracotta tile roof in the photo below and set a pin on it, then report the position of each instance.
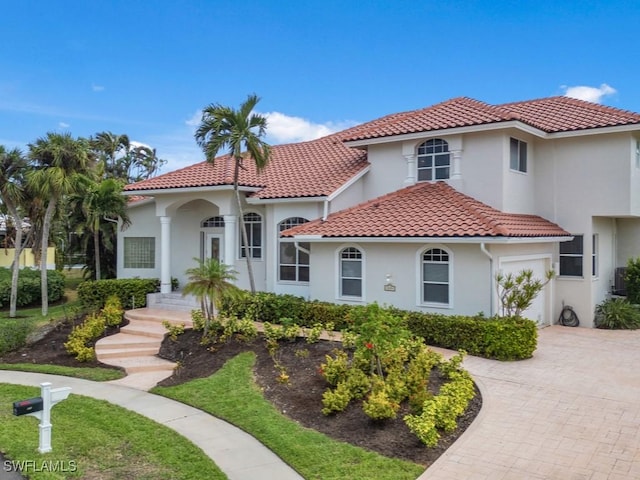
(427, 210)
(553, 114)
(306, 169)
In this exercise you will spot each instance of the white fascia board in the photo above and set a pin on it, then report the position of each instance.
(348, 183)
(449, 131)
(596, 131)
(263, 201)
(212, 188)
(140, 203)
(472, 240)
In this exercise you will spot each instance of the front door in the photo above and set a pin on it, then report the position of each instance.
(214, 247)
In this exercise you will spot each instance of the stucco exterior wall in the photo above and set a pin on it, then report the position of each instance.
(471, 286)
(144, 223)
(388, 170)
(628, 240)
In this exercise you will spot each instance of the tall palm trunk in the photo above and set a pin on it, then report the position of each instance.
(243, 228)
(46, 226)
(96, 247)
(13, 299)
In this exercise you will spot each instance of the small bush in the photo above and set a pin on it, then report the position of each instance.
(29, 291)
(632, 280)
(13, 334)
(132, 292)
(617, 314)
(81, 338)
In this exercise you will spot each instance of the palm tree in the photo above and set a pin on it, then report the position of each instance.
(240, 131)
(60, 161)
(209, 282)
(100, 203)
(108, 146)
(13, 165)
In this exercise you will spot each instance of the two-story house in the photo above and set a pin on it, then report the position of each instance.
(418, 209)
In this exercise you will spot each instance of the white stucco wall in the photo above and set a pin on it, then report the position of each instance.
(471, 281)
(388, 170)
(144, 223)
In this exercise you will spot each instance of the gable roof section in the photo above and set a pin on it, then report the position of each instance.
(551, 115)
(306, 169)
(427, 210)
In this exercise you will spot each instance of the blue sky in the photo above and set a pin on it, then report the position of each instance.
(146, 68)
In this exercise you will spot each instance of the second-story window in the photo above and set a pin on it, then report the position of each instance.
(434, 160)
(518, 155)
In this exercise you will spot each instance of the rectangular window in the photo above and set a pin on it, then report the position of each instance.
(139, 252)
(594, 255)
(518, 155)
(253, 224)
(571, 254)
(294, 263)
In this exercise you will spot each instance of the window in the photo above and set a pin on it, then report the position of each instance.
(433, 160)
(213, 222)
(518, 160)
(571, 257)
(435, 276)
(351, 272)
(253, 223)
(294, 262)
(594, 255)
(139, 252)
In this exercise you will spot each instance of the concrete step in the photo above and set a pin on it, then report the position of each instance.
(159, 315)
(150, 331)
(145, 363)
(103, 355)
(124, 340)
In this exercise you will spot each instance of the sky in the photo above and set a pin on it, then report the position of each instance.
(148, 68)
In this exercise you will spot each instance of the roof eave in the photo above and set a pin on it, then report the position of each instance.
(449, 131)
(474, 239)
(634, 127)
(210, 188)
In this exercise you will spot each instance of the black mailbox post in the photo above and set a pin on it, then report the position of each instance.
(23, 407)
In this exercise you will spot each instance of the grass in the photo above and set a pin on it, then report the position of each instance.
(232, 395)
(94, 374)
(103, 440)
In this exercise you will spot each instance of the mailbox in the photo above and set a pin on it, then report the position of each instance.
(24, 407)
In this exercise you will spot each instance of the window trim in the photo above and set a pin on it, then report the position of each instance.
(297, 263)
(437, 142)
(420, 277)
(125, 253)
(571, 255)
(363, 264)
(595, 245)
(519, 159)
(251, 247)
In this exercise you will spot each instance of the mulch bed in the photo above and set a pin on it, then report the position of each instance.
(300, 400)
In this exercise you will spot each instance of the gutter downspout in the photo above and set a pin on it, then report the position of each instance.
(302, 249)
(484, 250)
(325, 214)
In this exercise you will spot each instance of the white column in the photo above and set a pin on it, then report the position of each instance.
(411, 169)
(455, 170)
(165, 254)
(230, 239)
(44, 443)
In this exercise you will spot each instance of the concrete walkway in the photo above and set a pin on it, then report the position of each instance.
(239, 455)
(572, 412)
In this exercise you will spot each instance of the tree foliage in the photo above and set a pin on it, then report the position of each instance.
(517, 292)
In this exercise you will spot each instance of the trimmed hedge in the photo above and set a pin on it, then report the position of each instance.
(498, 338)
(132, 292)
(13, 334)
(29, 291)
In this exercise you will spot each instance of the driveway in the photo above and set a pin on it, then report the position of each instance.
(572, 412)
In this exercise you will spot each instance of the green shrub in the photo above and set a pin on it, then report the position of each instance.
(617, 314)
(498, 338)
(112, 311)
(336, 400)
(29, 291)
(13, 334)
(132, 292)
(379, 406)
(632, 280)
(81, 338)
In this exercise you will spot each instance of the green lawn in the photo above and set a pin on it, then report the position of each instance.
(95, 374)
(232, 395)
(103, 440)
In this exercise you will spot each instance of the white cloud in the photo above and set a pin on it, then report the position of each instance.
(590, 94)
(283, 128)
(195, 119)
(63, 125)
(97, 88)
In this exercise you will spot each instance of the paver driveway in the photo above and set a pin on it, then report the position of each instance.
(572, 412)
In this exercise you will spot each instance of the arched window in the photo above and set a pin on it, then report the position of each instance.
(253, 223)
(294, 262)
(435, 276)
(351, 272)
(213, 222)
(434, 160)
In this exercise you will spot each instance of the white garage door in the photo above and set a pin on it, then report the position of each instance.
(539, 309)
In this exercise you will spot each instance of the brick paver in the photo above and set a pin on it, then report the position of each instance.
(572, 412)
